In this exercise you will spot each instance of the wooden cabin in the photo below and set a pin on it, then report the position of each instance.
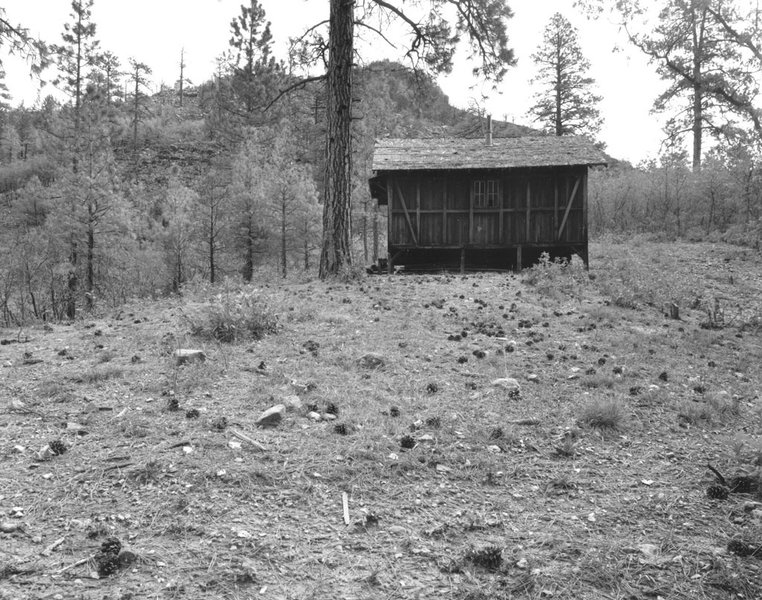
(483, 204)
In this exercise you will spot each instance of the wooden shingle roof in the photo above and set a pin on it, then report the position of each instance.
(504, 153)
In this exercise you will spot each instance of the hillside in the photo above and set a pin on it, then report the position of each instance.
(543, 435)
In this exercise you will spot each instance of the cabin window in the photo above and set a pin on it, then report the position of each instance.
(486, 193)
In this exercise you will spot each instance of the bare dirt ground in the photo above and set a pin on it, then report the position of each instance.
(589, 481)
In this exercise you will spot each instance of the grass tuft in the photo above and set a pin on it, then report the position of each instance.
(604, 414)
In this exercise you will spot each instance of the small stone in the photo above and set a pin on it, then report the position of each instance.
(8, 527)
(371, 361)
(507, 383)
(328, 416)
(533, 377)
(292, 403)
(272, 416)
(186, 356)
(19, 449)
(234, 444)
(494, 449)
(314, 416)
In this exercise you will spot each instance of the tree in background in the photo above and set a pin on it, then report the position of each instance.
(252, 63)
(249, 233)
(290, 194)
(5, 129)
(110, 77)
(138, 82)
(248, 76)
(431, 45)
(709, 52)
(565, 103)
(180, 231)
(74, 57)
(214, 198)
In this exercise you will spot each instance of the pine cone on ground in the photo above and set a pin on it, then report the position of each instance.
(741, 548)
(108, 564)
(717, 492)
(57, 447)
(111, 546)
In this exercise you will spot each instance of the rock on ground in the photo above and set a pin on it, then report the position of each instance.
(371, 361)
(187, 355)
(272, 416)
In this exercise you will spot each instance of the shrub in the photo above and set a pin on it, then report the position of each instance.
(550, 276)
(232, 317)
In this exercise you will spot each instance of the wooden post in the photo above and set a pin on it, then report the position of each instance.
(519, 260)
(529, 211)
(555, 204)
(471, 215)
(463, 259)
(444, 211)
(501, 216)
(584, 217)
(418, 206)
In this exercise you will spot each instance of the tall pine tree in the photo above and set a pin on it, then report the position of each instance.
(565, 103)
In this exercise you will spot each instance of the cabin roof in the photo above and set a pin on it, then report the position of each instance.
(504, 153)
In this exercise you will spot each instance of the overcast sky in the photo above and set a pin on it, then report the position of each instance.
(154, 31)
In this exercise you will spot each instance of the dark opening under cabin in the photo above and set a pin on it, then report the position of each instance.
(483, 204)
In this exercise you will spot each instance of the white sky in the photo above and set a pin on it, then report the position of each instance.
(154, 31)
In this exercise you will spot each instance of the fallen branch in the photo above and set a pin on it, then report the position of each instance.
(524, 422)
(76, 564)
(246, 438)
(49, 550)
(119, 466)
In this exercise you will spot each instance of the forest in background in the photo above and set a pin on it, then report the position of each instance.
(117, 192)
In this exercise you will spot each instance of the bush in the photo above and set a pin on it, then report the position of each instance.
(550, 276)
(232, 317)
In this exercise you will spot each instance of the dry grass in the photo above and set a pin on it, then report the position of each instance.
(571, 513)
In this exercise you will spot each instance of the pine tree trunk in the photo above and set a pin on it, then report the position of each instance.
(283, 235)
(248, 266)
(698, 92)
(558, 117)
(90, 282)
(336, 251)
(212, 265)
(73, 281)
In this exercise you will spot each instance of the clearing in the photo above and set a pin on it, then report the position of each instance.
(587, 481)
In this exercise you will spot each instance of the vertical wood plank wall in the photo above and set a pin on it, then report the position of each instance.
(432, 210)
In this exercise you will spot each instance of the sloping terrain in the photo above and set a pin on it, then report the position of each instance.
(534, 435)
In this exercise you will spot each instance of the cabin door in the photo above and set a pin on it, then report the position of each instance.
(486, 200)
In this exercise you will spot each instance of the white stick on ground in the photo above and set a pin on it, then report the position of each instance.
(345, 502)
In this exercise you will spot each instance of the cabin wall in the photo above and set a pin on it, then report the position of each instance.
(519, 207)
(511, 216)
